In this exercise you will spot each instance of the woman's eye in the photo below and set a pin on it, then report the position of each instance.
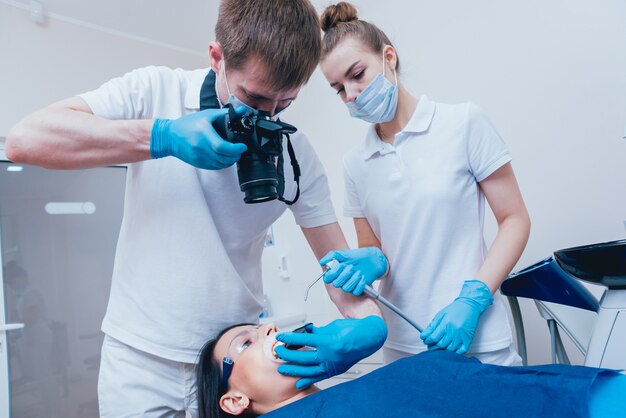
(246, 344)
(340, 91)
(359, 74)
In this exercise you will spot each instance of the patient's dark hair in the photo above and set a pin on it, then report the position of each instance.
(209, 378)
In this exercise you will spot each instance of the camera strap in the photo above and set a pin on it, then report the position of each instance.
(208, 97)
(281, 174)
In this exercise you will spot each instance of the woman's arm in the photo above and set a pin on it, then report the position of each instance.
(366, 238)
(323, 239)
(506, 202)
(364, 233)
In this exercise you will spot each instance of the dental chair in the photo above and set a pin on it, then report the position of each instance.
(597, 328)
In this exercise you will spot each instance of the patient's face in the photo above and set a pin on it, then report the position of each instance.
(253, 373)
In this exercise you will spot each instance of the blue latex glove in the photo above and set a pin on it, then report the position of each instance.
(453, 328)
(193, 139)
(337, 347)
(356, 268)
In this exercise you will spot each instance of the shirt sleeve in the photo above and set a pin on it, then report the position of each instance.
(352, 204)
(486, 150)
(314, 207)
(126, 97)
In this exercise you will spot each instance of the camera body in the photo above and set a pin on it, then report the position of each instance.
(259, 169)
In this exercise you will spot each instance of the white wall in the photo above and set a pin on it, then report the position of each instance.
(42, 64)
(550, 74)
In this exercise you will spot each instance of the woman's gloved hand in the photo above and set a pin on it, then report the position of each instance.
(193, 139)
(356, 268)
(336, 347)
(453, 328)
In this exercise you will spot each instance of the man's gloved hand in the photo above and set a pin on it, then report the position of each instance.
(453, 328)
(193, 139)
(356, 268)
(337, 347)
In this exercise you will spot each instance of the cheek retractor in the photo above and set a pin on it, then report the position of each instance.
(268, 348)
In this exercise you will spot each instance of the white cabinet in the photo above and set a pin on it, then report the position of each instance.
(54, 286)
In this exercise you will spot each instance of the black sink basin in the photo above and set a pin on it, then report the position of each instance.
(603, 263)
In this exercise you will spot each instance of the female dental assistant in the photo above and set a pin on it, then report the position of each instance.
(416, 188)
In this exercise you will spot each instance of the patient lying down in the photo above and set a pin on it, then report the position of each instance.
(433, 384)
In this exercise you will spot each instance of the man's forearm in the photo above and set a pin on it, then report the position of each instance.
(66, 135)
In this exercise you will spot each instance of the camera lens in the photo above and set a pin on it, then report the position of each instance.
(260, 194)
(258, 178)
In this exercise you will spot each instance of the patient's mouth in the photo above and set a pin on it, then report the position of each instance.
(269, 345)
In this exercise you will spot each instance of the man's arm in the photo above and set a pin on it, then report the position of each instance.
(68, 135)
(323, 239)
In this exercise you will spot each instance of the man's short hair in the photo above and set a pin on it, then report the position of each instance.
(283, 34)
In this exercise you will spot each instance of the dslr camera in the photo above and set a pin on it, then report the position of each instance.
(260, 168)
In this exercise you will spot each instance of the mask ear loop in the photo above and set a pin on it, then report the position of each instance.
(226, 80)
(395, 74)
(223, 66)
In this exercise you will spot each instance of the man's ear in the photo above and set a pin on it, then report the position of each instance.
(235, 403)
(215, 56)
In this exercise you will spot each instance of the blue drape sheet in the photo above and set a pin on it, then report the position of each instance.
(445, 384)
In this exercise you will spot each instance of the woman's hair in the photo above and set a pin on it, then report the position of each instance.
(209, 380)
(341, 20)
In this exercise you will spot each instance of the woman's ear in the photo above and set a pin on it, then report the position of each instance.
(389, 52)
(235, 403)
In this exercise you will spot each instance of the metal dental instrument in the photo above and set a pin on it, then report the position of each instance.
(331, 264)
(369, 290)
(374, 294)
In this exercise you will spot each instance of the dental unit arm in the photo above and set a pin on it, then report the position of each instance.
(369, 290)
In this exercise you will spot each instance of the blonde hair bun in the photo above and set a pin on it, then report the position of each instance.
(335, 14)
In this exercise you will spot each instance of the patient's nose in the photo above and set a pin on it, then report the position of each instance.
(267, 329)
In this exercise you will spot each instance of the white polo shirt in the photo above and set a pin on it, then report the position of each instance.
(188, 259)
(422, 199)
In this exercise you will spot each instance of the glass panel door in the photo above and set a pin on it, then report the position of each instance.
(58, 231)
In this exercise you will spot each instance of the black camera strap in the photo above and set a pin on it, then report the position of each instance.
(208, 98)
(281, 174)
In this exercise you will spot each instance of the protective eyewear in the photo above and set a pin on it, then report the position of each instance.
(247, 336)
(241, 341)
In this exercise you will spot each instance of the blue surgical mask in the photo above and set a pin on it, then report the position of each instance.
(233, 100)
(378, 102)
